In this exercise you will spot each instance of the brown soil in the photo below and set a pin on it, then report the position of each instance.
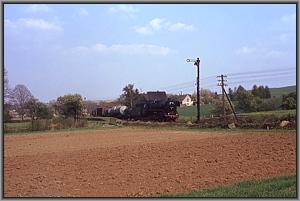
(140, 162)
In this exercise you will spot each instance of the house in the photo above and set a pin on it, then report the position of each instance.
(187, 101)
(14, 114)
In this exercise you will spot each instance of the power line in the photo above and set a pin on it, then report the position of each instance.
(263, 75)
(208, 85)
(190, 82)
(191, 87)
(251, 80)
(184, 83)
(269, 74)
(262, 71)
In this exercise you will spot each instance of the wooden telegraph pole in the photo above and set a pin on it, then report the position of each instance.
(223, 97)
(222, 84)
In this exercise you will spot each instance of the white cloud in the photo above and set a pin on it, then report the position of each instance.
(83, 12)
(37, 8)
(38, 24)
(9, 23)
(289, 19)
(161, 23)
(246, 50)
(144, 30)
(126, 9)
(260, 51)
(153, 25)
(33, 23)
(181, 26)
(129, 49)
(157, 23)
(274, 53)
(284, 23)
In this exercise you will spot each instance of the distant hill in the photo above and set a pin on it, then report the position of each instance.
(278, 92)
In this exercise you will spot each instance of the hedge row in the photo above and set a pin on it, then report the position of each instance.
(47, 124)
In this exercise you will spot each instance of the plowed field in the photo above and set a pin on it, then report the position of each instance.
(140, 162)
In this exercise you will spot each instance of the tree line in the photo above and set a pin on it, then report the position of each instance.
(255, 100)
(72, 105)
(24, 103)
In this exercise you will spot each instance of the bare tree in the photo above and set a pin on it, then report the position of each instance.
(6, 87)
(19, 97)
(90, 106)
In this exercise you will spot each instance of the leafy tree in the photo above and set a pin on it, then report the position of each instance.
(258, 99)
(38, 109)
(206, 96)
(267, 92)
(255, 104)
(261, 92)
(31, 106)
(69, 105)
(43, 111)
(289, 101)
(255, 91)
(231, 94)
(19, 97)
(174, 97)
(130, 95)
(269, 104)
(217, 108)
(244, 99)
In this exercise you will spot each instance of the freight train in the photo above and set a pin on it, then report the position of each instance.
(156, 106)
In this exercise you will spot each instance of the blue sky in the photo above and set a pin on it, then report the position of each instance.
(96, 49)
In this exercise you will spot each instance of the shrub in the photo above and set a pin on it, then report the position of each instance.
(41, 125)
(217, 108)
(81, 123)
(6, 116)
(289, 103)
(269, 104)
(62, 123)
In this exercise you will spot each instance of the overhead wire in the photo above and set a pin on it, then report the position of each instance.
(269, 74)
(261, 71)
(190, 82)
(262, 76)
(252, 80)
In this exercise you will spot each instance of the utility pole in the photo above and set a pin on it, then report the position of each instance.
(222, 87)
(197, 63)
(222, 84)
(223, 97)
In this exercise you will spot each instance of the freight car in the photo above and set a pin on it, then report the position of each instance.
(156, 106)
(98, 112)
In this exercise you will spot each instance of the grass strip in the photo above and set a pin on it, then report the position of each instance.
(276, 187)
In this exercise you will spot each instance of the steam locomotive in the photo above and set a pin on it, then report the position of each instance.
(156, 106)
